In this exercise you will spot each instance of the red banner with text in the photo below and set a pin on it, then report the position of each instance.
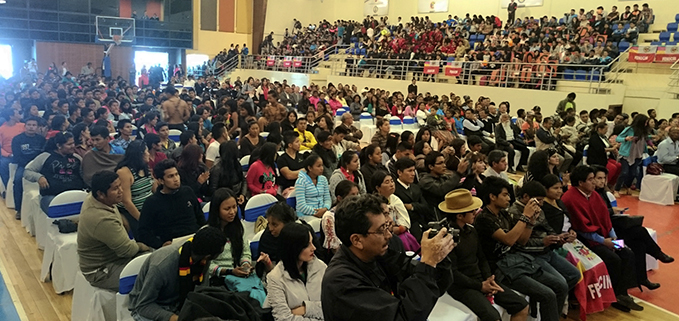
(642, 54)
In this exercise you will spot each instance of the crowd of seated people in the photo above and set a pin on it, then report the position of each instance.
(578, 39)
(145, 186)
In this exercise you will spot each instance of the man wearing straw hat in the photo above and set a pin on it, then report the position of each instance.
(473, 282)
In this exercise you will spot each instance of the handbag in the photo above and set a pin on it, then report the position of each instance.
(654, 169)
(622, 221)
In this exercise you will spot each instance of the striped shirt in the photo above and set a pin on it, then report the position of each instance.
(140, 190)
(311, 196)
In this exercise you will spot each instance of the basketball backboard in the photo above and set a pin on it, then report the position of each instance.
(110, 29)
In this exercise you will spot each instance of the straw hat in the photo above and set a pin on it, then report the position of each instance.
(460, 201)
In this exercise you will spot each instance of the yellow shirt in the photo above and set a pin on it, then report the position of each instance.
(307, 139)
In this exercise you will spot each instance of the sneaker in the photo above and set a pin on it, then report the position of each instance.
(18, 215)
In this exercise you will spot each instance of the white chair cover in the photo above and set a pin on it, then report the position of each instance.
(30, 206)
(127, 278)
(659, 189)
(90, 303)
(256, 206)
(61, 249)
(313, 221)
(174, 135)
(651, 262)
(9, 196)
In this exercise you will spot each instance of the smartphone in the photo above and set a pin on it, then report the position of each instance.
(618, 244)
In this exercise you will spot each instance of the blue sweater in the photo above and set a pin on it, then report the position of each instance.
(311, 196)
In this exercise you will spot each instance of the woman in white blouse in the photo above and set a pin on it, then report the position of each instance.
(294, 285)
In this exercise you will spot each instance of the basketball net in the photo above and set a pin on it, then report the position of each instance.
(117, 39)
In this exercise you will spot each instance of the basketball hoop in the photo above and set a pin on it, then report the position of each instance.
(117, 39)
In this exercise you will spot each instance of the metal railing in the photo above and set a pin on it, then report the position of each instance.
(619, 66)
(540, 76)
(673, 86)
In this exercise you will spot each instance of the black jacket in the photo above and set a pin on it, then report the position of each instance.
(501, 135)
(469, 265)
(421, 214)
(383, 289)
(596, 152)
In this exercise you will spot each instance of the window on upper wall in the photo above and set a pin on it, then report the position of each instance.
(104, 8)
(82, 6)
(42, 4)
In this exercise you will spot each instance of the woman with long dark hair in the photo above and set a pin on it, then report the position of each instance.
(324, 149)
(81, 137)
(56, 170)
(541, 163)
(277, 216)
(251, 140)
(348, 170)
(323, 123)
(148, 124)
(288, 124)
(227, 172)
(459, 151)
(193, 172)
(371, 162)
(294, 285)
(136, 182)
(425, 134)
(474, 180)
(633, 140)
(261, 177)
(236, 257)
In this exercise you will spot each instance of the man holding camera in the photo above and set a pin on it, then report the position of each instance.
(473, 282)
(499, 234)
(364, 282)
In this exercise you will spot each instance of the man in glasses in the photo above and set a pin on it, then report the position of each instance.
(365, 282)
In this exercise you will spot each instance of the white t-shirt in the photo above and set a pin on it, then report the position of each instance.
(212, 153)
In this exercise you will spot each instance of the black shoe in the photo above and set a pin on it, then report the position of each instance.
(620, 307)
(665, 258)
(627, 301)
(18, 217)
(650, 285)
(511, 171)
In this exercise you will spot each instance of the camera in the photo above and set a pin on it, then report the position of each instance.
(437, 226)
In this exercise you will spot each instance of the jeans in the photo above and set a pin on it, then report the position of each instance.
(547, 287)
(18, 188)
(629, 172)
(561, 265)
(45, 201)
(4, 170)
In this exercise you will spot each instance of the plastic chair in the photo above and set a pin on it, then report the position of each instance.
(256, 207)
(672, 43)
(473, 38)
(584, 155)
(656, 43)
(675, 37)
(127, 278)
(174, 135)
(569, 74)
(60, 258)
(672, 27)
(595, 75)
(623, 46)
(676, 18)
(480, 38)
(563, 21)
(134, 130)
(664, 36)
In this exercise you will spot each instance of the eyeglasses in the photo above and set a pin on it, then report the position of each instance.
(386, 227)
